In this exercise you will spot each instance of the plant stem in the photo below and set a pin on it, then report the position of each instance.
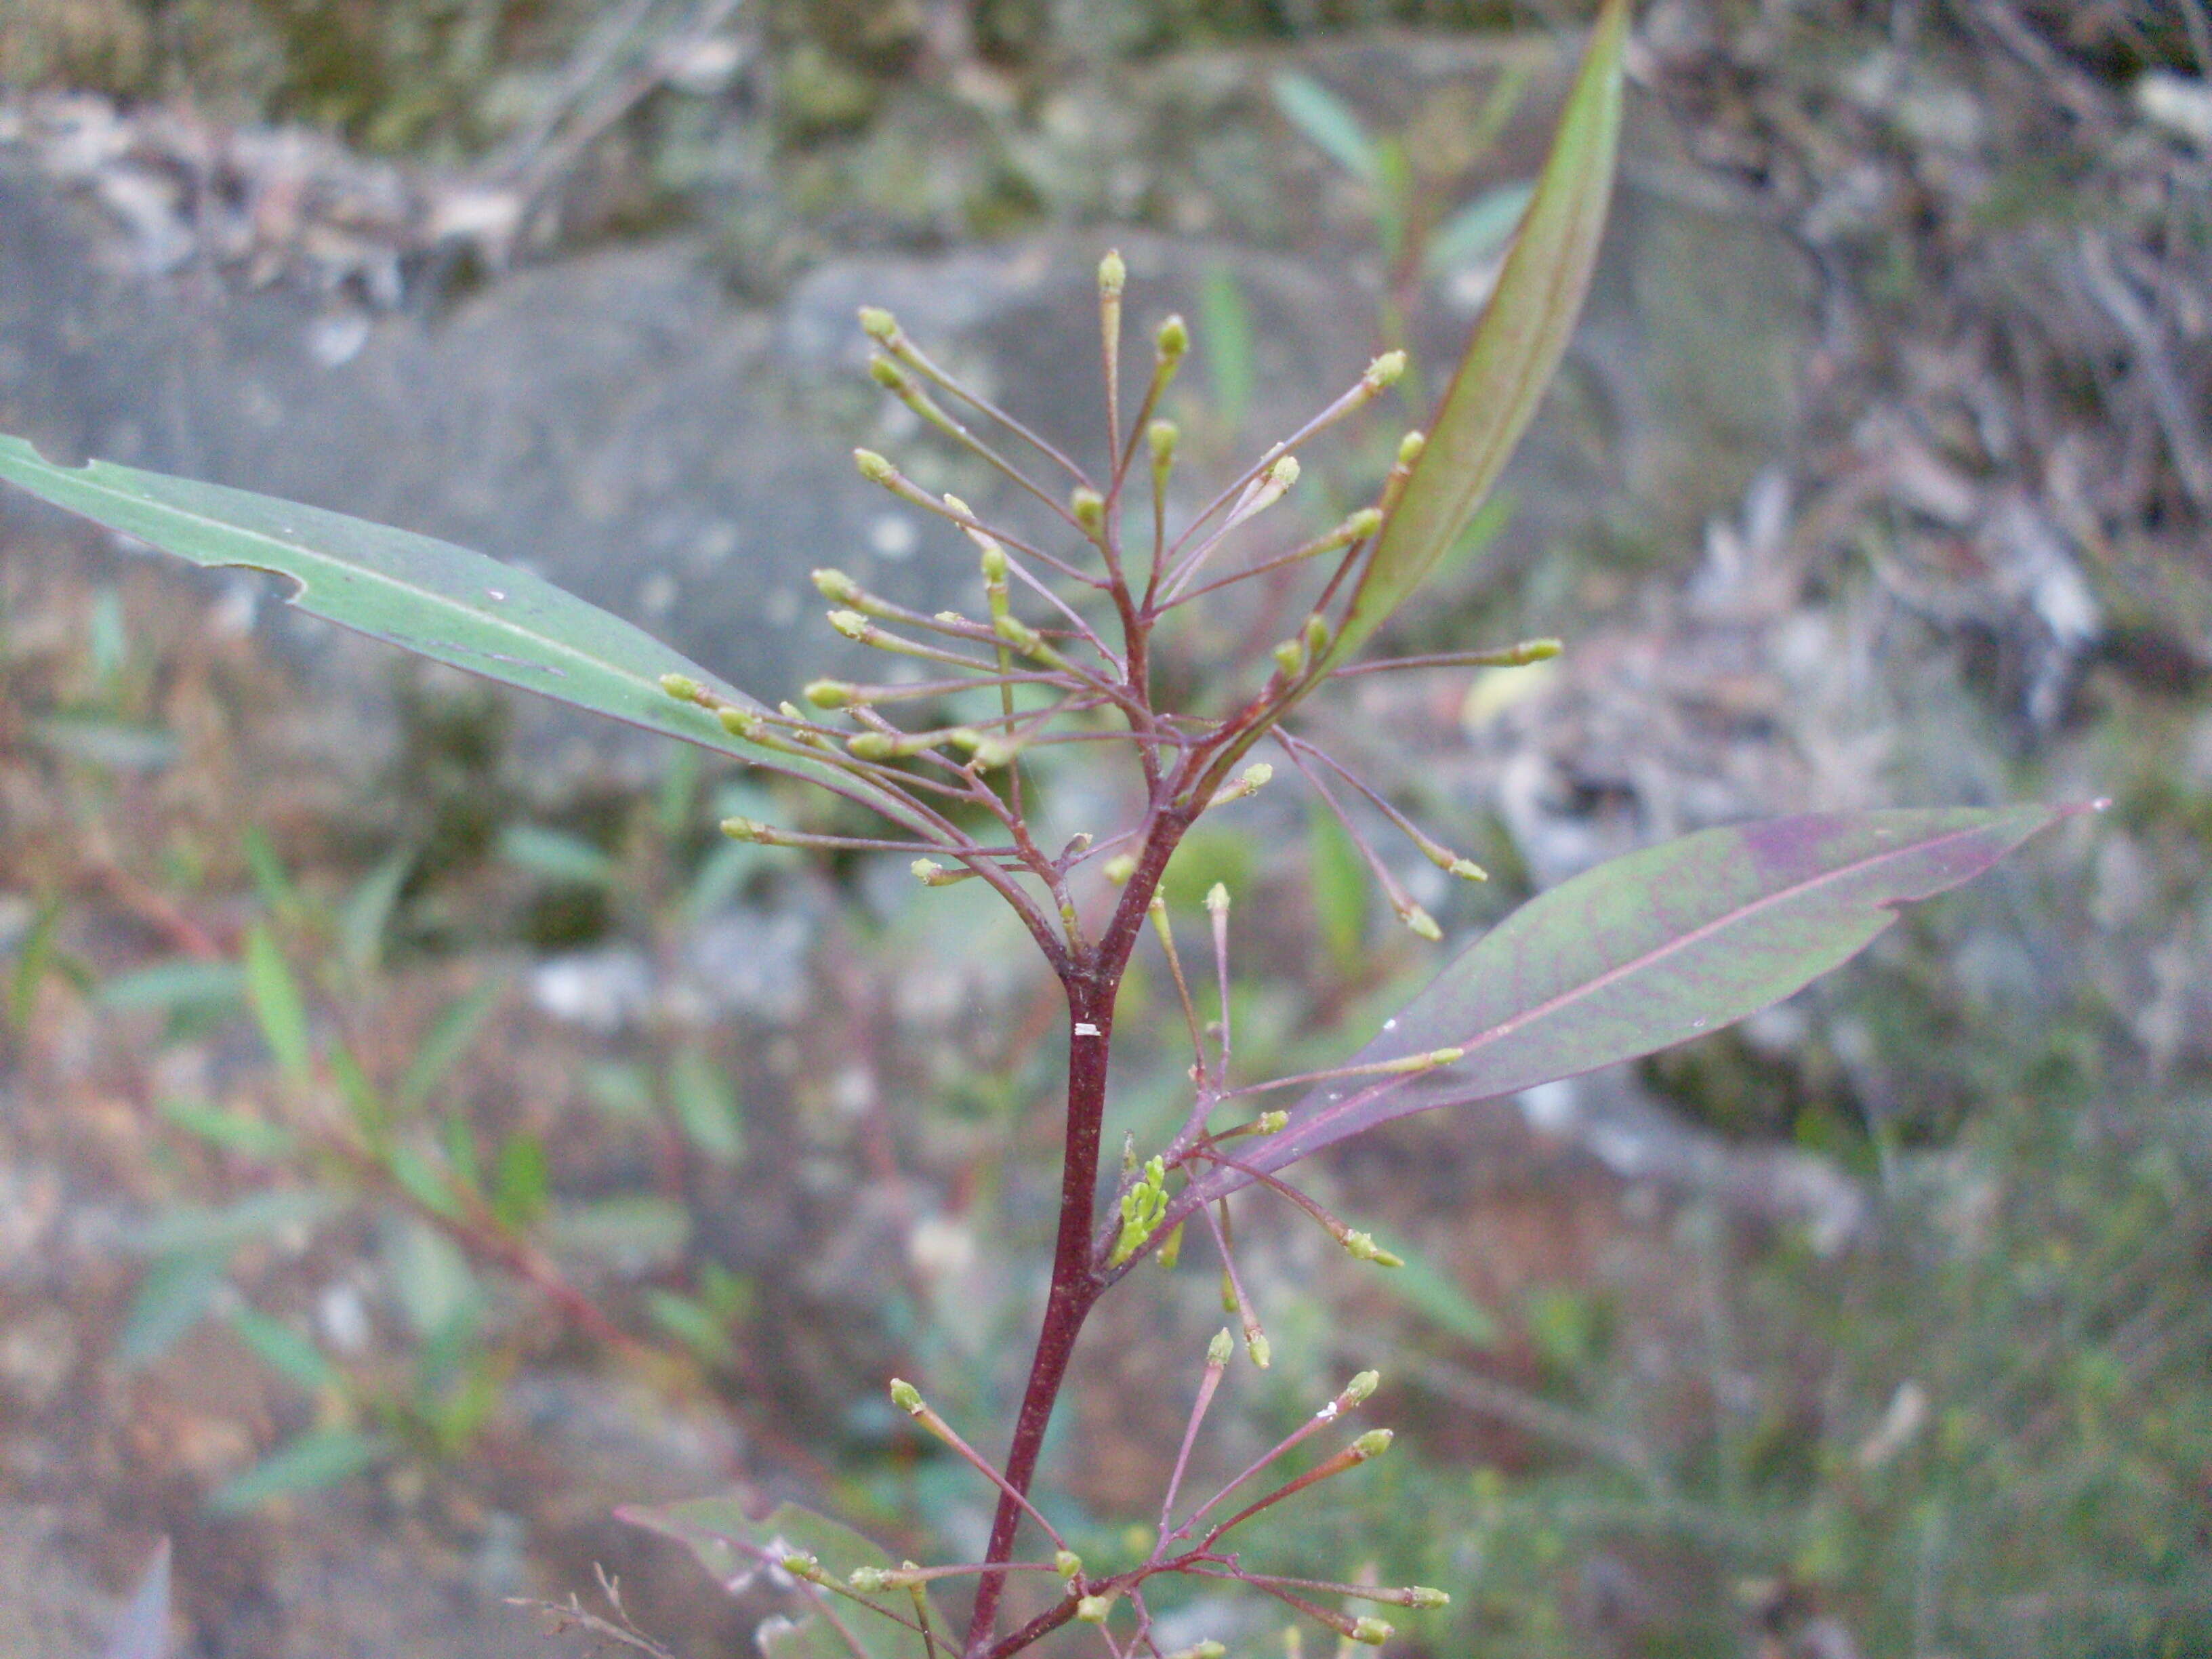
(1093, 979)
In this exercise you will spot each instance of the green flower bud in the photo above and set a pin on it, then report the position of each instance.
(877, 323)
(1410, 448)
(803, 1566)
(742, 723)
(868, 1580)
(1171, 1251)
(1291, 657)
(1088, 509)
(682, 687)
(1361, 1386)
(1421, 922)
(1268, 1123)
(1362, 1247)
(1113, 274)
(853, 625)
(1255, 777)
(1363, 524)
(926, 871)
(1384, 371)
(906, 1396)
(1428, 1059)
(889, 375)
(873, 745)
(873, 467)
(752, 829)
(1217, 896)
(1373, 1443)
(830, 694)
(1163, 436)
(993, 753)
(1372, 1632)
(837, 585)
(1218, 1350)
(1093, 1609)
(1173, 339)
(1119, 868)
(1466, 870)
(1261, 1350)
(1067, 1562)
(1420, 1596)
(1283, 473)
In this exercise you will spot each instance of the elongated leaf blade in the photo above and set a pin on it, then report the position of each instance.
(319, 1458)
(278, 1005)
(1517, 346)
(424, 595)
(1327, 120)
(1477, 230)
(1645, 952)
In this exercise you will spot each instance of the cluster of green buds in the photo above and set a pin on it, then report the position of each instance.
(1066, 641)
(1143, 1207)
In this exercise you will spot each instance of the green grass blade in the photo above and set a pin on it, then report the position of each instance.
(321, 1457)
(426, 596)
(278, 1007)
(1515, 348)
(1328, 121)
(448, 1038)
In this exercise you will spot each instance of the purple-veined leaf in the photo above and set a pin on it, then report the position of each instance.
(1515, 348)
(426, 596)
(1641, 953)
(737, 1549)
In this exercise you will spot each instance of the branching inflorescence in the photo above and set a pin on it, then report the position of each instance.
(1082, 671)
(1632, 957)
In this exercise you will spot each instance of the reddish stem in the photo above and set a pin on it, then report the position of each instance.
(1092, 980)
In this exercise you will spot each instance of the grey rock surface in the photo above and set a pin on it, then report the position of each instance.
(620, 423)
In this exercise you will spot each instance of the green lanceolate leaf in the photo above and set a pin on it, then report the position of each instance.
(1515, 348)
(426, 596)
(1642, 953)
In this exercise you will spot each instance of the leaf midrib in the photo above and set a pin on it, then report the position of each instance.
(1588, 988)
(85, 479)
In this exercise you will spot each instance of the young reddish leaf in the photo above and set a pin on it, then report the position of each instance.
(1500, 382)
(427, 596)
(1642, 953)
